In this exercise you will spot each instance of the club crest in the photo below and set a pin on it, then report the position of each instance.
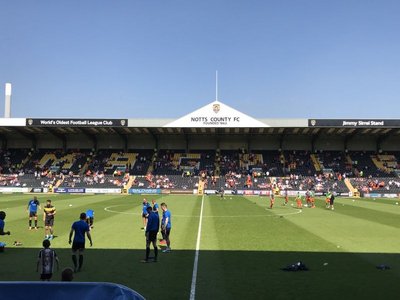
(216, 108)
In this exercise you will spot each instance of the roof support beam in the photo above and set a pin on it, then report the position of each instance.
(349, 137)
(124, 137)
(282, 137)
(3, 141)
(154, 137)
(313, 140)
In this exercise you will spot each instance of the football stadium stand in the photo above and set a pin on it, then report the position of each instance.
(180, 170)
(209, 149)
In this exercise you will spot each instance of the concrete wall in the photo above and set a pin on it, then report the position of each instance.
(47, 141)
(171, 142)
(391, 144)
(297, 142)
(232, 142)
(141, 142)
(110, 142)
(79, 141)
(18, 141)
(264, 142)
(362, 142)
(201, 142)
(329, 142)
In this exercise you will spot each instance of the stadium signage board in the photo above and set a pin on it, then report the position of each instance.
(216, 114)
(14, 190)
(144, 191)
(12, 122)
(354, 123)
(77, 122)
(102, 191)
(69, 190)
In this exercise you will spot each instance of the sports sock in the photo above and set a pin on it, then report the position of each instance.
(155, 252)
(80, 261)
(30, 223)
(35, 223)
(74, 261)
(147, 252)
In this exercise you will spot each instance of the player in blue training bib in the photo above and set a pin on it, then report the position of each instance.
(166, 227)
(145, 214)
(155, 205)
(32, 209)
(79, 229)
(2, 224)
(90, 217)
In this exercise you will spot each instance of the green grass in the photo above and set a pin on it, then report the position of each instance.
(243, 246)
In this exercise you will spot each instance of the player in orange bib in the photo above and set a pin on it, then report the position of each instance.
(328, 199)
(308, 200)
(272, 199)
(299, 201)
(286, 197)
(312, 199)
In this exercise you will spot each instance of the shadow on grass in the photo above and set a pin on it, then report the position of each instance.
(225, 274)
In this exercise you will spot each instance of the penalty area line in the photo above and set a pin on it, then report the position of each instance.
(196, 255)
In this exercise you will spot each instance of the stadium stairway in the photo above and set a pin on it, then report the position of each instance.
(386, 163)
(129, 183)
(316, 162)
(351, 188)
(45, 159)
(200, 188)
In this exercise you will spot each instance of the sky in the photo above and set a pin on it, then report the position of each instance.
(158, 58)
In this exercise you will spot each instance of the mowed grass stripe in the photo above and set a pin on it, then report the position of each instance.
(240, 272)
(347, 230)
(61, 202)
(374, 212)
(239, 262)
(234, 253)
(281, 231)
(184, 229)
(252, 221)
(17, 220)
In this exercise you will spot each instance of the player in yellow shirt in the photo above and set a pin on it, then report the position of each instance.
(48, 217)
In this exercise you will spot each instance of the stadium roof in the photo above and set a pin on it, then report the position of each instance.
(213, 118)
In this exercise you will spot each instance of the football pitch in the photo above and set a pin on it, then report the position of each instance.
(222, 248)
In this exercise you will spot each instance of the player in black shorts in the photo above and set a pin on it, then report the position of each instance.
(153, 225)
(46, 260)
(79, 229)
(33, 206)
(331, 200)
(48, 217)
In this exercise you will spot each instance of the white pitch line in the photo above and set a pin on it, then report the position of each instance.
(196, 256)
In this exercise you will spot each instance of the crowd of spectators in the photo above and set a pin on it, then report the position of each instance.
(370, 185)
(230, 169)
